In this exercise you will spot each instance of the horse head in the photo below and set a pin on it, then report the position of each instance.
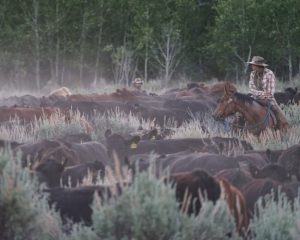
(226, 104)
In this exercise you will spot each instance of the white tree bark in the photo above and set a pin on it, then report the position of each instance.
(99, 42)
(36, 42)
(82, 44)
(167, 53)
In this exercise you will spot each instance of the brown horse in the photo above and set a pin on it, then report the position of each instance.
(257, 117)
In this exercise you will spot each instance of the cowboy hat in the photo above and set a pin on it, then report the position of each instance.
(258, 61)
(138, 81)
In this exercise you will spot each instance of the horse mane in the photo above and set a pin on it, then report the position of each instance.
(245, 98)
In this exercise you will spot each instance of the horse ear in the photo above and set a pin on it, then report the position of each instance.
(229, 89)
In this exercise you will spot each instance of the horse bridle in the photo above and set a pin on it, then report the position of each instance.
(263, 122)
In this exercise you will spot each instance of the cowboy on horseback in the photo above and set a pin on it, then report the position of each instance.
(262, 88)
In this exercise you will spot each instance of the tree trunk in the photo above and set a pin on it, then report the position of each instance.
(290, 62)
(96, 76)
(146, 62)
(57, 48)
(37, 43)
(82, 44)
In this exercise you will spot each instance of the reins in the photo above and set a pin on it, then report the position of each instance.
(263, 122)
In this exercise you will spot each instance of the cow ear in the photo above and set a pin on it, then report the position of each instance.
(229, 89)
(108, 133)
(132, 143)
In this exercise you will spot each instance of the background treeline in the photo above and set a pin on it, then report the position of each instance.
(80, 42)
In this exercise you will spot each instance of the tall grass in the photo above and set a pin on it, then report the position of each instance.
(43, 128)
(118, 122)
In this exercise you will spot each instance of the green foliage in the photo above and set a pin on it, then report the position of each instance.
(24, 211)
(80, 232)
(213, 222)
(146, 210)
(274, 219)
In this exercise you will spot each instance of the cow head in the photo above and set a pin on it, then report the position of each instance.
(49, 171)
(118, 145)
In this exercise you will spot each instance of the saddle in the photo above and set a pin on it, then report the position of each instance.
(264, 103)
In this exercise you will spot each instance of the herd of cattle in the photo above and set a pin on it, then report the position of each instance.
(211, 165)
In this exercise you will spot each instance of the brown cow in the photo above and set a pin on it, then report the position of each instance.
(190, 187)
(237, 205)
(119, 94)
(27, 115)
(290, 160)
(261, 187)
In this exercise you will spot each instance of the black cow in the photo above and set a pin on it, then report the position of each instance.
(182, 162)
(272, 171)
(290, 160)
(286, 97)
(71, 176)
(190, 184)
(75, 203)
(127, 147)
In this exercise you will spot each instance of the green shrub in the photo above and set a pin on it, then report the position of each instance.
(213, 222)
(146, 210)
(80, 232)
(274, 219)
(24, 212)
